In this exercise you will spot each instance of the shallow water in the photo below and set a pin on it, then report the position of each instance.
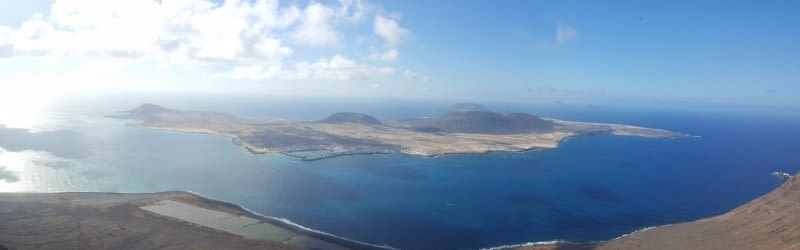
(590, 188)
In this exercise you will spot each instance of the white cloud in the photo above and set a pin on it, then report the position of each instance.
(341, 68)
(388, 56)
(354, 10)
(251, 39)
(190, 30)
(6, 43)
(392, 34)
(389, 30)
(318, 21)
(565, 33)
(316, 29)
(413, 76)
(336, 68)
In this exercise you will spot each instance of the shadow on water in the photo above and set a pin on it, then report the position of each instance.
(302, 187)
(8, 176)
(406, 230)
(531, 201)
(600, 194)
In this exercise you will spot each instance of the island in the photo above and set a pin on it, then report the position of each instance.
(469, 128)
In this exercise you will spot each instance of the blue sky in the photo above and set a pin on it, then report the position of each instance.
(727, 52)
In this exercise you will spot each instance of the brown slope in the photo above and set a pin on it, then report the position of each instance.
(770, 222)
(116, 221)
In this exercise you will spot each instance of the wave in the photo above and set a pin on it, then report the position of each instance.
(289, 222)
(325, 233)
(637, 231)
(528, 244)
(782, 175)
(553, 242)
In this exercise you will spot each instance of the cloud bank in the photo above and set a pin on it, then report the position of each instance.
(254, 40)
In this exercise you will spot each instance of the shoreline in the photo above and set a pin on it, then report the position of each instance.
(329, 237)
(148, 198)
(569, 244)
(781, 200)
(765, 222)
(288, 224)
(341, 134)
(254, 150)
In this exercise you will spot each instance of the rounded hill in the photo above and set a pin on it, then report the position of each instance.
(350, 117)
(466, 107)
(485, 122)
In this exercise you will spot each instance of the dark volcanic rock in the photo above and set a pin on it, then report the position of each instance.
(484, 122)
(349, 117)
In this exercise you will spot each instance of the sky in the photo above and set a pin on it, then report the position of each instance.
(720, 52)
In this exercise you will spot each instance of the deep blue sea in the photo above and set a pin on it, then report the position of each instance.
(590, 188)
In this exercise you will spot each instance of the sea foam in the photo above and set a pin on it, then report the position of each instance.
(528, 244)
(552, 242)
(637, 231)
(287, 221)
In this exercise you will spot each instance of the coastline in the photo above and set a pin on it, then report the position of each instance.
(256, 150)
(288, 224)
(346, 134)
(88, 204)
(739, 226)
(563, 244)
(766, 222)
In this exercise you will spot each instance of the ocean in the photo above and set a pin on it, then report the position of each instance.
(590, 188)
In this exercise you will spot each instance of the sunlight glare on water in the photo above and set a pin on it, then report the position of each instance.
(39, 171)
(13, 168)
(23, 107)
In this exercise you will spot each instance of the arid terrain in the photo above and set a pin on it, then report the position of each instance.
(119, 221)
(353, 133)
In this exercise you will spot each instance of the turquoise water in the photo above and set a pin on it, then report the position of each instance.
(590, 188)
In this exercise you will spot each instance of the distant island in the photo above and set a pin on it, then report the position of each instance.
(469, 128)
